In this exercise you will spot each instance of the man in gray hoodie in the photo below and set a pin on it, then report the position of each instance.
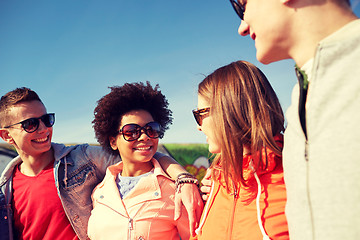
(321, 162)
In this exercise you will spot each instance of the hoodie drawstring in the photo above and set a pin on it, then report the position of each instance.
(265, 236)
(206, 210)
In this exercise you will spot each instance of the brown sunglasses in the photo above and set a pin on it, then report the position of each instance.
(200, 114)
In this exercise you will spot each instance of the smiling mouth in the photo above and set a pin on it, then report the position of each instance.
(143, 148)
(41, 140)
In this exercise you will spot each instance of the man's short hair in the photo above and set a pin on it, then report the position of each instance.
(14, 97)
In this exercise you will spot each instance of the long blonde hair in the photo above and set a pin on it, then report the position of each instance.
(246, 112)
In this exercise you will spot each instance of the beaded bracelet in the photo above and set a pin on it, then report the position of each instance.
(184, 178)
(185, 174)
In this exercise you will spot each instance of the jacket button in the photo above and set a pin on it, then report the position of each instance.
(156, 194)
(101, 196)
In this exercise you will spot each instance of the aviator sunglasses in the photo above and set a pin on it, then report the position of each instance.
(132, 131)
(239, 8)
(32, 124)
(200, 114)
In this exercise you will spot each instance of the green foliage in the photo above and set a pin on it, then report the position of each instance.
(186, 154)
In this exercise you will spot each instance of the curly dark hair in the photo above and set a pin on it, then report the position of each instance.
(123, 99)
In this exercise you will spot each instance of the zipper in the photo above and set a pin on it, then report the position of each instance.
(308, 193)
(306, 151)
(130, 220)
(236, 196)
(303, 87)
(130, 228)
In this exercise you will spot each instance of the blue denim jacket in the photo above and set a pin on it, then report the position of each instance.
(78, 169)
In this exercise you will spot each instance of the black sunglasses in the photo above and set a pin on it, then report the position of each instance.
(200, 114)
(132, 131)
(239, 9)
(32, 124)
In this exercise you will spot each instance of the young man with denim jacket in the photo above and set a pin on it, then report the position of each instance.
(321, 160)
(53, 211)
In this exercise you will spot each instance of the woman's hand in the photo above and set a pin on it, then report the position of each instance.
(189, 196)
(206, 185)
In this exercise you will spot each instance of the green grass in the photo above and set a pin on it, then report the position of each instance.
(187, 153)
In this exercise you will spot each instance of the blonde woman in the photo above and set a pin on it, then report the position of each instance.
(242, 119)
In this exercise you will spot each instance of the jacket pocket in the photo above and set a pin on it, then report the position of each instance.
(80, 183)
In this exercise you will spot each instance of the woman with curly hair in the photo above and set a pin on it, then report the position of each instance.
(136, 198)
(242, 119)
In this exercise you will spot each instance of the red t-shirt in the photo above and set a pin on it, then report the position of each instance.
(38, 212)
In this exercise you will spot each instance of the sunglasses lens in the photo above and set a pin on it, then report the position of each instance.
(200, 114)
(30, 125)
(131, 132)
(153, 130)
(197, 118)
(48, 119)
(238, 9)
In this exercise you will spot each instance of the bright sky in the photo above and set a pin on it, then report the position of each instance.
(69, 52)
